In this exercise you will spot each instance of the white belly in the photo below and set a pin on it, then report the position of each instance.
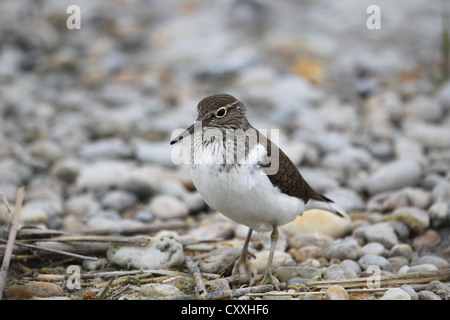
(245, 194)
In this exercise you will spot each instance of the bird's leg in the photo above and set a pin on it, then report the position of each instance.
(268, 276)
(241, 262)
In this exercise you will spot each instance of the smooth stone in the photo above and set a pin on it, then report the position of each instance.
(34, 289)
(103, 174)
(336, 292)
(316, 220)
(119, 200)
(403, 250)
(427, 240)
(375, 248)
(338, 271)
(416, 219)
(410, 290)
(218, 259)
(217, 285)
(162, 252)
(396, 294)
(157, 290)
(398, 262)
(351, 265)
(305, 253)
(285, 273)
(433, 136)
(395, 175)
(371, 259)
(439, 288)
(66, 169)
(428, 295)
(155, 152)
(341, 249)
(212, 231)
(382, 232)
(439, 214)
(439, 262)
(280, 258)
(309, 239)
(30, 215)
(104, 149)
(422, 268)
(167, 207)
(424, 108)
(82, 205)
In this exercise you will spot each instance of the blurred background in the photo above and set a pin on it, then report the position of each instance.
(86, 115)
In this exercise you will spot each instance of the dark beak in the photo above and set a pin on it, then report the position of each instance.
(185, 133)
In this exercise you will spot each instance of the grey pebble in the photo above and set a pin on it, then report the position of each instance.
(428, 295)
(167, 207)
(372, 248)
(339, 271)
(422, 268)
(341, 249)
(410, 290)
(382, 232)
(395, 175)
(371, 259)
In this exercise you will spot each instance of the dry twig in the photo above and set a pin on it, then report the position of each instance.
(198, 279)
(11, 239)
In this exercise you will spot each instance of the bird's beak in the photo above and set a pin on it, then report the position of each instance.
(187, 132)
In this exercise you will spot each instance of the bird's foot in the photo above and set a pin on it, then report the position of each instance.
(241, 265)
(266, 278)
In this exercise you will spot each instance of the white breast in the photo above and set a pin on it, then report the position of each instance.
(243, 192)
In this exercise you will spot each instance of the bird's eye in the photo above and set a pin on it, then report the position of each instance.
(221, 112)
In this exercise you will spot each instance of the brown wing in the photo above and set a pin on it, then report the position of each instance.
(289, 180)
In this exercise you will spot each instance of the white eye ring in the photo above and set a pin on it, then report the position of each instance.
(221, 112)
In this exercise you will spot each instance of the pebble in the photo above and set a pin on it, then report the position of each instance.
(34, 289)
(396, 294)
(375, 248)
(394, 175)
(416, 219)
(317, 220)
(403, 250)
(119, 200)
(427, 240)
(383, 233)
(374, 260)
(410, 290)
(428, 295)
(162, 252)
(167, 207)
(342, 249)
(301, 240)
(439, 262)
(422, 268)
(439, 288)
(157, 290)
(336, 292)
(286, 273)
(339, 271)
(280, 258)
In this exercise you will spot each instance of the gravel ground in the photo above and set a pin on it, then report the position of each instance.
(86, 116)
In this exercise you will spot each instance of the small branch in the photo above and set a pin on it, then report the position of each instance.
(75, 255)
(11, 239)
(198, 279)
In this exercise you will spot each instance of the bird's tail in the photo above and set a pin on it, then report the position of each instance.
(322, 202)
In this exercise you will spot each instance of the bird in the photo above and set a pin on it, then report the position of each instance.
(245, 176)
